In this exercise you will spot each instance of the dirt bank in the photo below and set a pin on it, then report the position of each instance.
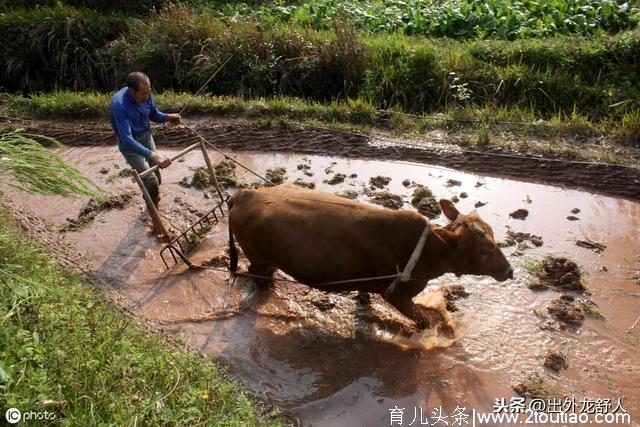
(607, 179)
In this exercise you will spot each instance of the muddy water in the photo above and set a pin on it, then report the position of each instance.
(318, 356)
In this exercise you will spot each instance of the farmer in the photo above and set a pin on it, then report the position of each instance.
(130, 111)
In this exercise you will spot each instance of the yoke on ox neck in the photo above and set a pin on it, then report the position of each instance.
(405, 275)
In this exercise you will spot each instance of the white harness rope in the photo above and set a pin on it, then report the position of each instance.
(405, 275)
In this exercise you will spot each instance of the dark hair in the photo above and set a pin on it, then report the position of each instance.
(137, 79)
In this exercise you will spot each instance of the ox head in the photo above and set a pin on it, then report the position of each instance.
(473, 248)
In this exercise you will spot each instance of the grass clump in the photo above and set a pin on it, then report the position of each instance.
(226, 174)
(305, 184)
(276, 175)
(65, 349)
(589, 308)
(535, 386)
(348, 194)
(629, 130)
(424, 201)
(201, 178)
(558, 273)
(37, 169)
(96, 205)
(336, 179)
(386, 199)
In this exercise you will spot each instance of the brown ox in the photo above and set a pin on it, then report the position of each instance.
(317, 237)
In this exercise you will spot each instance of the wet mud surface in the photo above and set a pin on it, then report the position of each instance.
(605, 179)
(337, 359)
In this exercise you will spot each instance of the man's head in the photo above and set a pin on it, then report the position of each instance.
(139, 86)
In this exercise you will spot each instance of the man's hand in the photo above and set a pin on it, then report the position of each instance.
(159, 159)
(174, 118)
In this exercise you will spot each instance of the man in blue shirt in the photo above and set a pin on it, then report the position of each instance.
(131, 109)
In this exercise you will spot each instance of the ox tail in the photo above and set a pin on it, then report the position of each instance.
(233, 253)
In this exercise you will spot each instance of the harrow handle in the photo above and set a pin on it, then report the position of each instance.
(176, 157)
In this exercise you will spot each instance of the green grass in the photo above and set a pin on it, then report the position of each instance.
(590, 78)
(36, 169)
(65, 349)
(94, 105)
(514, 128)
(589, 308)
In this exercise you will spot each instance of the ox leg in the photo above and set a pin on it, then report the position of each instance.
(262, 270)
(401, 299)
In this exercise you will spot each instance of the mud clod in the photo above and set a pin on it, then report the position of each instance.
(464, 195)
(329, 169)
(555, 361)
(406, 183)
(424, 201)
(455, 199)
(479, 204)
(519, 214)
(95, 206)
(305, 168)
(348, 194)
(575, 211)
(453, 183)
(514, 237)
(124, 173)
(276, 175)
(559, 273)
(564, 310)
(301, 183)
(388, 200)
(572, 218)
(184, 182)
(337, 179)
(324, 303)
(104, 171)
(534, 386)
(380, 181)
(452, 293)
(353, 176)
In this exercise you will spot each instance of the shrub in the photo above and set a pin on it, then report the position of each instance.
(58, 47)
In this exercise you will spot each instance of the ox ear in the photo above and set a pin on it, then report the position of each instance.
(449, 209)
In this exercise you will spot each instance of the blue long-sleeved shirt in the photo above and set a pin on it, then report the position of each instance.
(129, 119)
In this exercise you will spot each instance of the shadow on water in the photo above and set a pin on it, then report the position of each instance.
(129, 253)
(318, 374)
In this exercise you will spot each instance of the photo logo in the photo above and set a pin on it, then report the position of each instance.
(13, 415)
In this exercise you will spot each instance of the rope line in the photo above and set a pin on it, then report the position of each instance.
(227, 157)
(399, 275)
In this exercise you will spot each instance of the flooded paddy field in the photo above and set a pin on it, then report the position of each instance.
(328, 359)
